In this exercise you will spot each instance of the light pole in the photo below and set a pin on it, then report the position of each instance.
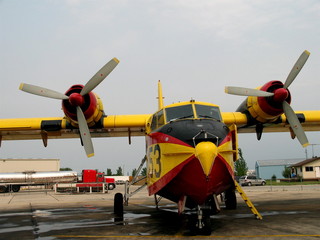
(312, 145)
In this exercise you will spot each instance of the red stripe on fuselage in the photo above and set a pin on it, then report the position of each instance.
(188, 178)
(192, 182)
(158, 137)
(163, 181)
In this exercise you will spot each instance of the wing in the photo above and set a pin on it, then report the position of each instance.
(54, 128)
(310, 121)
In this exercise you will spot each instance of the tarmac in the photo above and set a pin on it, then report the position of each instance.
(288, 213)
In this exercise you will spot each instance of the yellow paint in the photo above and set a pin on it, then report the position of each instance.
(257, 113)
(306, 145)
(193, 102)
(90, 155)
(116, 60)
(164, 157)
(21, 124)
(206, 152)
(160, 96)
(230, 118)
(125, 121)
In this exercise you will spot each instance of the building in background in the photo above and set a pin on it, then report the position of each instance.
(308, 169)
(267, 168)
(29, 165)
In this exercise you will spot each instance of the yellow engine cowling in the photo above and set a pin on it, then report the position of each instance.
(266, 109)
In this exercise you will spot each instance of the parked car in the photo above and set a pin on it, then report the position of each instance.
(251, 180)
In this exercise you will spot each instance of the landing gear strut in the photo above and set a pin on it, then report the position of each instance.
(200, 223)
(120, 199)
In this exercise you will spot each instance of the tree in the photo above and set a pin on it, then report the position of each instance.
(65, 169)
(134, 172)
(286, 172)
(144, 171)
(109, 172)
(240, 166)
(119, 172)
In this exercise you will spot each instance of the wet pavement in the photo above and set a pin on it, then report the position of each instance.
(288, 213)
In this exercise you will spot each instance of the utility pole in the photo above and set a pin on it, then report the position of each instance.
(312, 145)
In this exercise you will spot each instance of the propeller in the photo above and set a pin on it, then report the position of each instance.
(77, 100)
(280, 95)
(247, 92)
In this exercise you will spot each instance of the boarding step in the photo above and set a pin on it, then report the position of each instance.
(247, 201)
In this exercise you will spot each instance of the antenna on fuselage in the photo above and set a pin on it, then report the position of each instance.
(160, 97)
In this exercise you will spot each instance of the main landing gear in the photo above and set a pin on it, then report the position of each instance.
(120, 200)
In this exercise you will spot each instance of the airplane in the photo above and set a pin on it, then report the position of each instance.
(191, 146)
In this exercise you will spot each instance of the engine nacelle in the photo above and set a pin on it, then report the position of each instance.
(90, 104)
(266, 109)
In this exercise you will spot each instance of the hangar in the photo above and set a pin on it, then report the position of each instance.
(11, 165)
(267, 168)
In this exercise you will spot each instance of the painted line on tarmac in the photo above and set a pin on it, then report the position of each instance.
(11, 199)
(181, 236)
(53, 197)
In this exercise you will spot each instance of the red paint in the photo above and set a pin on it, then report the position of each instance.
(280, 95)
(269, 105)
(76, 99)
(188, 178)
(158, 137)
(88, 103)
(163, 181)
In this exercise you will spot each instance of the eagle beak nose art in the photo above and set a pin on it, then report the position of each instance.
(206, 152)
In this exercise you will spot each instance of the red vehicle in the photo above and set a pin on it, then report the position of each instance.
(95, 179)
(90, 180)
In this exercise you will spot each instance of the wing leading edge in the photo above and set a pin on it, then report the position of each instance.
(310, 121)
(55, 128)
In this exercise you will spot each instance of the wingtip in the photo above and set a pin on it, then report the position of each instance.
(90, 155)
(226, 90)
(116, 60)
(307, 52)
(306, 145)
(21, 86)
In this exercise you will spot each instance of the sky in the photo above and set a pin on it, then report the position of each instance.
(195, 48)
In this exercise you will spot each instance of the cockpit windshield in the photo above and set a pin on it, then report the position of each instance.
(179, 112)
(187, 111)
(205, 111)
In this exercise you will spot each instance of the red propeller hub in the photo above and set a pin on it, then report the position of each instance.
(280, 95)
(76, 99)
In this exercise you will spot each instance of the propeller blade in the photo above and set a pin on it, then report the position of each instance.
(296, 68)
(44, 92)
(295, 124)
(99, 76)
(85, 133)
(247, 92)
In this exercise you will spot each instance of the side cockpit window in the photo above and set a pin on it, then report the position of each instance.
(157, 120)
(180, 112)
(205, 111)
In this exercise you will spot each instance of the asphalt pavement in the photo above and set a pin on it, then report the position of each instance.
(288, 213)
